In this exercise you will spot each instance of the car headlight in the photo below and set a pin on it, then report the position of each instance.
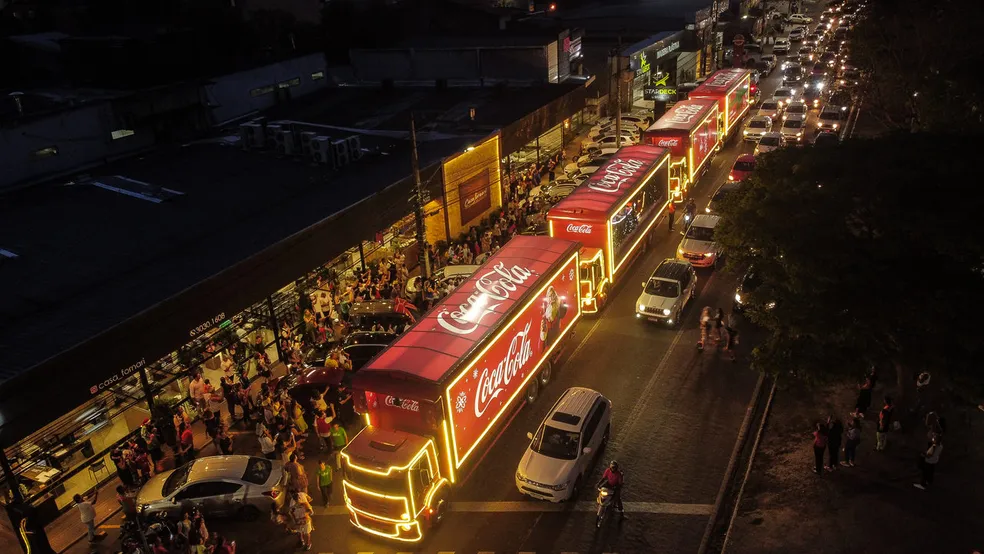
(738, 298)
(835, 126)
(746, 132)
(559, 487)
(799, 134)
(680, 251)
(642, 307)
(707, 210)
(520, 478)
(708, 254)
(666, 312)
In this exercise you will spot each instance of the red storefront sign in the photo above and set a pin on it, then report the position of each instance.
(487, 386)
(474, 197)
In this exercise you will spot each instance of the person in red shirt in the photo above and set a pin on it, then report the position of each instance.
(819, 445)
(614, 478)
(187, 444)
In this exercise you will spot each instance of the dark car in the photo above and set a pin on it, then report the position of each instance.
(363, 315)
(362, 346)
(744, 300)
(826, 138)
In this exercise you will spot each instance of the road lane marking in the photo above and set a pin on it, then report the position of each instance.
(521, 506)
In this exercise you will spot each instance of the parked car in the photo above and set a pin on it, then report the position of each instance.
(559, 459)
(667, 292)
(243, 486)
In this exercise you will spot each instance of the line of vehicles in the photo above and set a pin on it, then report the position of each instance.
(434, 399)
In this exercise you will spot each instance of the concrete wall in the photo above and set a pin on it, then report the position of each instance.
(526, 63)
(82, 136)
(238, 94)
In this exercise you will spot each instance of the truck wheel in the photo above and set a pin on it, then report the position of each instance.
(440, 512)
(532, 391)
(545, 374)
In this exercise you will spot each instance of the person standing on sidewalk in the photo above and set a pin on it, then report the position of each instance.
(884, 424)
(88, 514)
(819, 445)
(853, 440)
(670, 211)
(196, 390)
(928, 463)
(324, 481)
(835, 430)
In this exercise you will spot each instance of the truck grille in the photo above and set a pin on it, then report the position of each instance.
(389, 508)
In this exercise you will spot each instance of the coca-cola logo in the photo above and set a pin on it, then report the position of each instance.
(668, 143)
(610, 178)
(408, 405)
(684, 113)
(722, 78)
(492, 383)
(496, 285)
(475, 198)
(582, 229)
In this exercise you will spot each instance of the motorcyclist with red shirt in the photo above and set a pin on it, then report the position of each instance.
(614, 479)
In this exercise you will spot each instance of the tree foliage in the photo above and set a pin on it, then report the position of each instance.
(921, 61)
(872, 251)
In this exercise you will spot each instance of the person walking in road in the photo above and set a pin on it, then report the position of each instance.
(297, 477)
(864, 396)
(339, 438)
(929, 461)
(300, 512)
(835, 429)
(819, 445)
(670, 211)
(87, 511)
(884, 424)
(322, 425)
(853, 440)
(324, 481)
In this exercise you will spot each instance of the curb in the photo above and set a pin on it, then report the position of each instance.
(748, 470)
(732, 462)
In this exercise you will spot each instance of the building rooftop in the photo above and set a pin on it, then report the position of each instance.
(95, 251)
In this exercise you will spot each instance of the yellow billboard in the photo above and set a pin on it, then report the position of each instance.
(472, 186)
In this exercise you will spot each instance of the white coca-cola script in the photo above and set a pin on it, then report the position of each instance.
(722, 78)
(475, 198)
(683, 114)
(667, 143)
(408, 405)
(492, 383)
(613, 175)
(582, 229)
(496, 285)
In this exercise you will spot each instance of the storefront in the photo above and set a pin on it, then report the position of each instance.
(653, 61)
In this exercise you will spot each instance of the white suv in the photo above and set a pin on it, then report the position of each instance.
(561, 453)
(698, 246)
(667, 292)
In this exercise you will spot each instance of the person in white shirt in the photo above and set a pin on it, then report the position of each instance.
(196, 390)
(267, 446)
(88, 514)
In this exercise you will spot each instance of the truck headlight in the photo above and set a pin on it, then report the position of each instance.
(666, 312)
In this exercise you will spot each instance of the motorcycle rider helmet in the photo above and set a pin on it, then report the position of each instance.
(613, 465)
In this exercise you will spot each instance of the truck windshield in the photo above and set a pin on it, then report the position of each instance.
(556, 443)
(393, 484)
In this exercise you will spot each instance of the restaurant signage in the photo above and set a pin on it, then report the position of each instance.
(474, 197)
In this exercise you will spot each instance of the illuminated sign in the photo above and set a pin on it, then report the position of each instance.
(582, 229)
(675, 45)
(614, 175)
(206, 325)
(120, 374)
(488, 386)
(494, 286)
(474, 197)
(408, 405)
(683, 113)
(659, 94)
(667, 142)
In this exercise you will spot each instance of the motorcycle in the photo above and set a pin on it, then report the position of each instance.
(606, 495)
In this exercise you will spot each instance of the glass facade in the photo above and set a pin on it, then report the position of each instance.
(637, 213)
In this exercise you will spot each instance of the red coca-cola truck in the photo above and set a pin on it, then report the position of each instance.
(434, 398)
(691, 133)
(732, 90)
(611, 215)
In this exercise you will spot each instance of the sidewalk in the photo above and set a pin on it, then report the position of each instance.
(869, 508)
(67, 534)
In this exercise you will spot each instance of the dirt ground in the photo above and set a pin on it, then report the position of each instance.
(871, 508)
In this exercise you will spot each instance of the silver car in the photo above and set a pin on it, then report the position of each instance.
(241, 486)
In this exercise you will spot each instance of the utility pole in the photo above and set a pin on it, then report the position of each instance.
(418, 202)
(618, 94)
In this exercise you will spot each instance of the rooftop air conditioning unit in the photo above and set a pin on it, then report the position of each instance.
(321, 149)
(341, 153)
(354, 147)
(272, 132)
(306, 143)
(252, 134)
(285, 143)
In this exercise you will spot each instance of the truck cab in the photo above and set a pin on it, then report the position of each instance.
(593, 283)
(393, 486)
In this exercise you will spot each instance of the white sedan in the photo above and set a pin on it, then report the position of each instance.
(799, 18)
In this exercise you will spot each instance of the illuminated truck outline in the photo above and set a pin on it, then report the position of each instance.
(732, 89)
(690, 130)
(416, 394)
(589, 214)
